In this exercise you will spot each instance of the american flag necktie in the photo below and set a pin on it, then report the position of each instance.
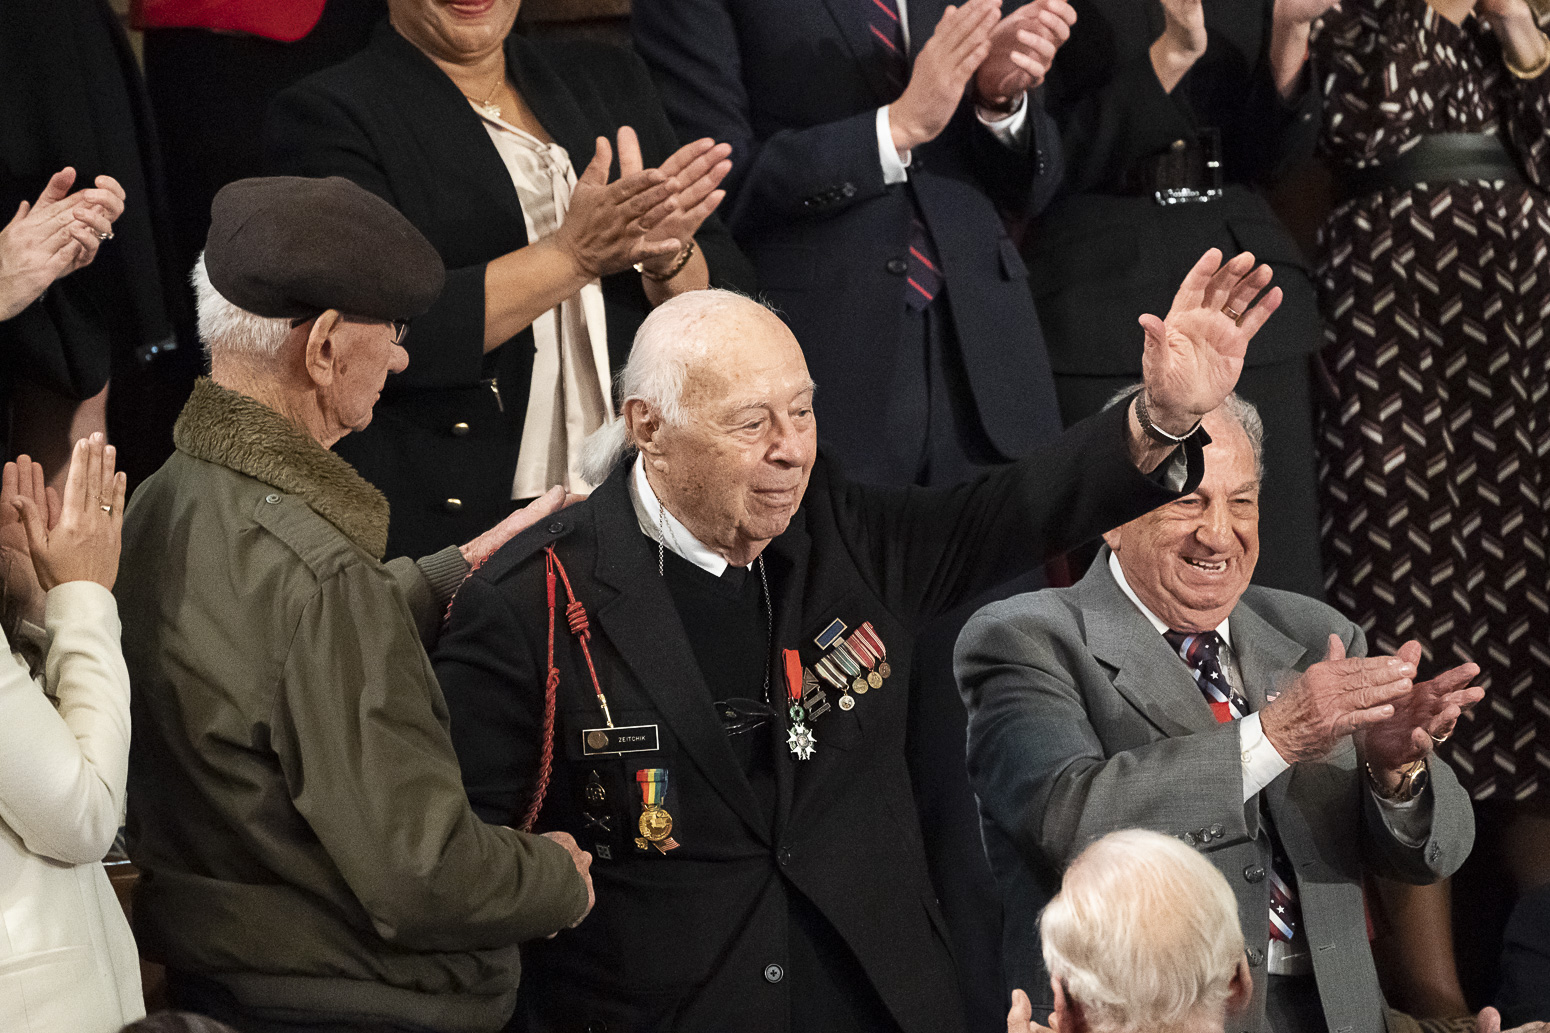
(923, 275)
(1202, 654)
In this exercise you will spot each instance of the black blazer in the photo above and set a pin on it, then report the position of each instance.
(449, 426)
(1098, 258)
(794, 88)
(683, 941)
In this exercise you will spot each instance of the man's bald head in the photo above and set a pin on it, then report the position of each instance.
(718, 400)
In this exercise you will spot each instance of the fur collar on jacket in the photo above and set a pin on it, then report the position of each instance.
(241, 434)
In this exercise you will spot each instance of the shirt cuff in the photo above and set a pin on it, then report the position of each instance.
(1262, 762)
(1011, 130)
(895, 165)
(1410, 821)
(444, 571)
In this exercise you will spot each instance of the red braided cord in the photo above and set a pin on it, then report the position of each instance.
(576, 617)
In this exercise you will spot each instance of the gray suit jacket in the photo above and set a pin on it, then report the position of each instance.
(1082, 721)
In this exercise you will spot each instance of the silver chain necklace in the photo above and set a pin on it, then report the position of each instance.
(665, 530)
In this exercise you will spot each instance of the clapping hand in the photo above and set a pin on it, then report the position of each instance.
(1332, 699)
(1022, 48)
(696, 171)
(23, 595)
(958, 46)
(1422, 718)
(605, 227)
(54, 237)
(83, 544)
(1193, 356)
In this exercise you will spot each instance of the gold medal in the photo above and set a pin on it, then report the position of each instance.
(883, 669)
(874, 679)
(859, 686)
(656, 824)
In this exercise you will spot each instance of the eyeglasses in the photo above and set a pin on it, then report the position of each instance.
(400, 328)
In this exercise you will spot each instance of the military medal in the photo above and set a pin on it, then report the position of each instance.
(800, 740)
(874, 644)
(656, 825)
(813, 697)
(863, 650)
(830, 672)
(851, 666)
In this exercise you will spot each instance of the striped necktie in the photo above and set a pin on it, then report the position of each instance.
(1202, 654)
(923, 274)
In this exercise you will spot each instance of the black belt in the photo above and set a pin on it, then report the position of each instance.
(1189, 171)
(1437, 158)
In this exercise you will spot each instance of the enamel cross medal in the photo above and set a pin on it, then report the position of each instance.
(799, 739)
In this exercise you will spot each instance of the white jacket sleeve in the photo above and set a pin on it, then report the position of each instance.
(62, 771)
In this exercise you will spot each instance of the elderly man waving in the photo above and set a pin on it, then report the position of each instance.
(702, 672)
(1164, 692)
(310, 860)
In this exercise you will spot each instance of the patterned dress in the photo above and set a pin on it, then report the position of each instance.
(1434, 469)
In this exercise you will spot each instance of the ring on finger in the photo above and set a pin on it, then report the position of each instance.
(1232, 313)
(104, 236)
(107, 509)
(1438, 740)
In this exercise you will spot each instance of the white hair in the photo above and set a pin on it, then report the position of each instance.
(671, 339)
(1235, 408)
(223, 327)
(1143, 934)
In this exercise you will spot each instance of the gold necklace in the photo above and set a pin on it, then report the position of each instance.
(488, 109)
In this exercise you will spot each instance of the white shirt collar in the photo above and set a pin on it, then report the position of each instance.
(1124, 586)
(677, 538)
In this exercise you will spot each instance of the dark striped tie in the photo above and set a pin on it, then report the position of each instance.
(923, 272)
(1202, 654)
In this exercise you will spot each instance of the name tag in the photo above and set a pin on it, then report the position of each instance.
(629, 739)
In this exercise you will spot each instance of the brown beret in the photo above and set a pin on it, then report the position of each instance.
(288, 247)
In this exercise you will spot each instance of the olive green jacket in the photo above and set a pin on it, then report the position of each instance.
(296, 808)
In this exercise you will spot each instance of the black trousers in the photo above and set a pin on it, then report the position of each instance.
(1289, 555)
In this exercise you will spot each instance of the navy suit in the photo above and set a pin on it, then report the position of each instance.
(794, 88)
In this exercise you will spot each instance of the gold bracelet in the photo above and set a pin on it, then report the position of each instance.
(678, 266)
(1538, 69)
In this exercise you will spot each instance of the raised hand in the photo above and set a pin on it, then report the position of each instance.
(24, 597)
(1421, 718)
(1332, 699)
(54, 237)
(1182, 42)
(1022, 48)
(83, 545)
(1194, 355)
(942, 69)
(697, 170)
(605, 228)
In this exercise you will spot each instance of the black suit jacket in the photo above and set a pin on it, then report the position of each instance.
(1099, 258)
(682, 941)
(794, 88)
(393, 122)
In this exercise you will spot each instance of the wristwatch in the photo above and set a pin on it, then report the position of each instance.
(1412, 780)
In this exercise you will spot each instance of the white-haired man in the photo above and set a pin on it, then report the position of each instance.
(309, 860)
(1143, 937)
(702, 672)
(1163, 691)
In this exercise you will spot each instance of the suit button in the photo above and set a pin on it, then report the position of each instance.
(459, 430)
(1256, 956)
(273, 500)
(773, 973)
(848, 190)
(1218, 830)
(1187, 838)
(557, 527)
(452, 505)
(1204, 835)
(897, 266)
(1254, 873)
(784, 856)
